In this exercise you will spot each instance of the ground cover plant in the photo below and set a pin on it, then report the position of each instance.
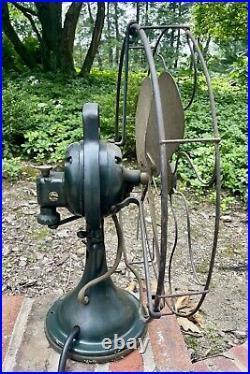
(42, 115)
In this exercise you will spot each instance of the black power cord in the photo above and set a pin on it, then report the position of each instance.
(67, 347)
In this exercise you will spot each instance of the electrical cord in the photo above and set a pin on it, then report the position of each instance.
(67, 347)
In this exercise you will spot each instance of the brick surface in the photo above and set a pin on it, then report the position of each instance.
(166, 351)
(240, 353)
(170, 351)
(34, 352)
(223, 364)
(10, 308)
(201, 366)
(132, 362)
(234, 360)
(80, 367)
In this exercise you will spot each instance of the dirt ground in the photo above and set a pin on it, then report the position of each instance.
(37, 260)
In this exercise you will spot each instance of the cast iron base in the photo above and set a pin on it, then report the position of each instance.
(110, 311)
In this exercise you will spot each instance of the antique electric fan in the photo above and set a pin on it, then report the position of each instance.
(95, 184)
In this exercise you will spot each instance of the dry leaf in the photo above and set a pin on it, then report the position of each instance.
(187, 325)
(132, 287)
(198, 319)
(182, 303)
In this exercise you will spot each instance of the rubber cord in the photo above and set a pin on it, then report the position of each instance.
(67, 347)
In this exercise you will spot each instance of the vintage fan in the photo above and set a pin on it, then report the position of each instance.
(95, 184)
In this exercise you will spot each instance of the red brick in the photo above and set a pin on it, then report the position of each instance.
(10, 309)
(169, 349)
(222, 364)
(132, 363)
(201, 366)
(240, 353)
(79, 367)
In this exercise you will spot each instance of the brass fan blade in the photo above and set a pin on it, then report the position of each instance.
(147, 145)
(173, 117)
(141, 121)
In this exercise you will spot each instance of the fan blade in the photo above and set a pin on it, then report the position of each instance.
(147, 144)
(141, 121)
(173, 117)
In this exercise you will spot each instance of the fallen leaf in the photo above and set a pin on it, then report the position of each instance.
(132, 287)
(182, 303)
(198, 319)
(187, 325)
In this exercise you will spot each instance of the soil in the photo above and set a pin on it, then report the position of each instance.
(37, 260)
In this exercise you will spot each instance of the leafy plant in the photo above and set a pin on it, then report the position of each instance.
(12, 168)
(42, 116)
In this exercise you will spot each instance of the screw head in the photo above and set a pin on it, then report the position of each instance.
(85, 300)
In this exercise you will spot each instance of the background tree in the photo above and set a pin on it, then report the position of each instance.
(69, 36)
(96, 37)
(225, 24)
(13, 37)
(55, 41)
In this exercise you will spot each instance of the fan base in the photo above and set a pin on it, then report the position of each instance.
(111, 313)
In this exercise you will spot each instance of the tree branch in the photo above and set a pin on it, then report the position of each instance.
(29, 17)
(25, 9)
(90, 14)
(11, 34)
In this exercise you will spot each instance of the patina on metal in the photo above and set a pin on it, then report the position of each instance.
(163, 142)
(95, 184)
(93, 181)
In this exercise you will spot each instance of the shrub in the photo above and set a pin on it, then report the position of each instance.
(42, 115)
(11, 168)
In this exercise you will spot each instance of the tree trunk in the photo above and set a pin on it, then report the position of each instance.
(146, 13)
(138, 12)
(177, 49)
(110, 52)
(178, 40)
(11, 34)
(99, 59)
(172, 37)
(90, 14)
(68, 36)
(50, 16)
(96, 37)
(117, 35)
(205, 51)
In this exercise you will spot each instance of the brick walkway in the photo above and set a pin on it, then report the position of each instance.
(25, 347)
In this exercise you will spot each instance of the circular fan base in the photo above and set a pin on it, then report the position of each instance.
(112, 314)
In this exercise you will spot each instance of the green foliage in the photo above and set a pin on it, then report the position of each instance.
(42, 115)
(224, 25)
(231, 104)
(11, 168)
(10, 59)
(225, 21)
(240, 70)
(32, 46)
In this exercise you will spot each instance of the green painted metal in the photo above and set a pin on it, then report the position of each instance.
(109, 311)
(94, 179)
(93, 182)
